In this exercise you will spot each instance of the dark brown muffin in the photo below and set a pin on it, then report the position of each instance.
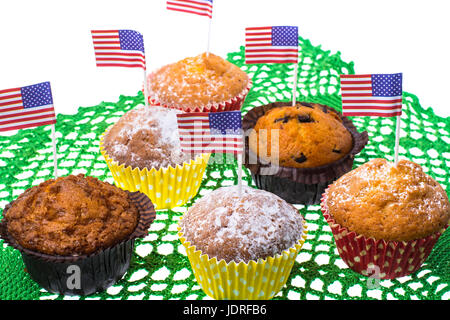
(72, 215)
(254, 225)
(309, 136)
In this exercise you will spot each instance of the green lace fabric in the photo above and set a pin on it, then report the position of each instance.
(160, 268)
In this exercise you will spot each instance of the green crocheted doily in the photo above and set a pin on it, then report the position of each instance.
(160, 269)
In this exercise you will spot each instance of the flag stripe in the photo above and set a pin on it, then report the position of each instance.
(28, 125)
(378, 114)
(28, 117)
(24, 112)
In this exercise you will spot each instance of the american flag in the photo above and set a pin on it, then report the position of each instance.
(119, 48)
(372, 95)
(26, 107)
(199, 7)
(271, 45)
(207, 132)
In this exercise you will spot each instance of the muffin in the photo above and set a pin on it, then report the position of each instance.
(143, 152)
(309, 136)
(242, 246)
(297, 151)
(386, 217)
(76, 221)
(200, 83)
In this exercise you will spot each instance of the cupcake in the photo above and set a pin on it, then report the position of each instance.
(297, 151)
(143, 153)
(75, 233)
(242, 245)
(197, 84)
(386, 218)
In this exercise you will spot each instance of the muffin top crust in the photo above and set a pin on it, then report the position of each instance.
(386, 201)
(71, 215)
(302, 136)
(197, 81)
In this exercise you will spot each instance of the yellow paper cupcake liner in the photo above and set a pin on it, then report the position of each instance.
(167, 187)
(255, 280)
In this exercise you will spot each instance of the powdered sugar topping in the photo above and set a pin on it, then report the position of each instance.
(146, 137)
(255, 225)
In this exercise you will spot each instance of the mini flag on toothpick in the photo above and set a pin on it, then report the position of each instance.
(120, 48)
(197, 7)
(373, 95)
(211, 132)
(207, 132)
(28, 107)
(277, 44)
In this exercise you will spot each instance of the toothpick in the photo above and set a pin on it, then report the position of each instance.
(294, 87)
(55, 156)
(397, 139)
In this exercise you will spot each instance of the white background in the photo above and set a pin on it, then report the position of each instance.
(50, 41)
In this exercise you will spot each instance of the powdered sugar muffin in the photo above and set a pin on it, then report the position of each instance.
(143, 153)
(203, 82)
(239, 235)
(146, 138)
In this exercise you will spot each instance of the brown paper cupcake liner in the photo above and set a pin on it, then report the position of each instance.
(84, 274)
(232, 104)
(298, 185)
(382, 259)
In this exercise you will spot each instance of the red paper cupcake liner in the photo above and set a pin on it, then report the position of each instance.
(233, 104)
(382, 259)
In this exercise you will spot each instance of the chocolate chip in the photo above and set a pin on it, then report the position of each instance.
(324, 109)
(304, 118)
(336, 151)
(284, 119)
(301, 159)
(309, 105)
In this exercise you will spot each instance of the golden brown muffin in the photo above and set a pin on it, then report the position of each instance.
(146, 137)
(197, 81)
(384, 201)
(72, 215)
(257, 224)
(310, 135)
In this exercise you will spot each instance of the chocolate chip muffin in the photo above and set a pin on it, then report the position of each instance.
(297, 151)
(200, 83)
(70, 216)
(309, 136)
